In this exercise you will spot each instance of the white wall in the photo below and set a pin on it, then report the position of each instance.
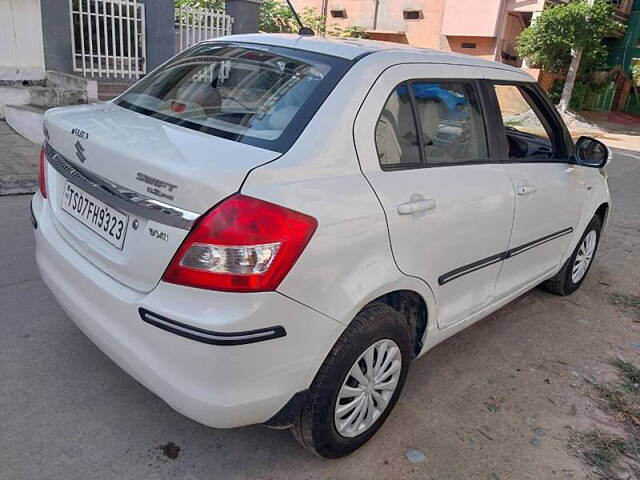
(21, 48)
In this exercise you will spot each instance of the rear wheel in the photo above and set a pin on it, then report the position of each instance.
(358, 384)
(575, 269)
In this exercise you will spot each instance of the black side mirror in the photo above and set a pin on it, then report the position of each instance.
(590, 152)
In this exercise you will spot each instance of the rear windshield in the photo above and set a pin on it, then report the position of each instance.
(254, 94)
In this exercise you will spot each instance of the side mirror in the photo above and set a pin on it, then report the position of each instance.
(590, 152)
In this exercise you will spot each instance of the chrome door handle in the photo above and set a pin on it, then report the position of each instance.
(526, 189)
(409, 208)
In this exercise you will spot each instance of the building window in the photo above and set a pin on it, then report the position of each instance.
(340, 13)
(412, 14)
(468, 45)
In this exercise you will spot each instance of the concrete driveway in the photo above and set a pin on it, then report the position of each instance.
(497, 401)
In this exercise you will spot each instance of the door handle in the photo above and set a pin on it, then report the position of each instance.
(526, 189)
(415, 206)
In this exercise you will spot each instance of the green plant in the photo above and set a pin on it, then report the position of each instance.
(599, 450)
(350, 32)
(635, 74)
(208, 4)
(549, 41)
(627, 302)
(614, 456)
(276, 17)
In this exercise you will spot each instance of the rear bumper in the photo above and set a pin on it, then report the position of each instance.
(222, 385)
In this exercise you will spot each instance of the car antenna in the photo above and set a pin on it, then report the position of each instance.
(303, 30)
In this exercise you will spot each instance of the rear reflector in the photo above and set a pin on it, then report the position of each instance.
(42, 180)
(208, 336)
(241, 245)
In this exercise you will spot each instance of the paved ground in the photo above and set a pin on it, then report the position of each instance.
(18, 162)
(497, 401)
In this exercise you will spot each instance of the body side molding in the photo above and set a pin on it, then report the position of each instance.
(512, 252)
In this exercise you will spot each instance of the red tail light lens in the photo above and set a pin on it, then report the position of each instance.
(242, 245)
(42, 180)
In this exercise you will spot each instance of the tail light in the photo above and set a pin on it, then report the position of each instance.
(241, 245)
(42, 180)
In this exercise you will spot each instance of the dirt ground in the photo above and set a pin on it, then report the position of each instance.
(498, 401)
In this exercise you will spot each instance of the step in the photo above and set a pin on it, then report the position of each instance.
(113, 87)
(12, 95)
(26, 120)
(56, 97)
(110, 90)
(73, 82)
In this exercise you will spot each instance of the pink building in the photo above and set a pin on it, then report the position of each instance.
(487, 28)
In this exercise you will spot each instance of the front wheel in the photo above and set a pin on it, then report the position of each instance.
(358, 384)
(575, 269)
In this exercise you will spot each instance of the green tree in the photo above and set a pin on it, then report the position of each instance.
(276, 17)
(574, 31)
(208, 4)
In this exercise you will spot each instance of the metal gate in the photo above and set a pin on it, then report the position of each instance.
(196, 24)
(107, 38)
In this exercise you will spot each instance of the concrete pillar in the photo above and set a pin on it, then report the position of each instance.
(56, 32)
(245, 15)
(159, 31)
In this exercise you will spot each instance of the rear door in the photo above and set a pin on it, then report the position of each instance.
(422, 142)
(549, 188)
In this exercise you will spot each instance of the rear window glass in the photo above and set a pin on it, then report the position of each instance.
(254, 94)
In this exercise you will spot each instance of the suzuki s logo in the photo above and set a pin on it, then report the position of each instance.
(80, 152)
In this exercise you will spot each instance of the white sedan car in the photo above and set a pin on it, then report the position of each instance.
(270, 229)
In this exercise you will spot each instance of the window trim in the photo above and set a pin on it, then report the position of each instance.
(486, 119)
(547, 114)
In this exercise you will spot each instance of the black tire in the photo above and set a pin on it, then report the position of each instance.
(315, 428)
(562, 284)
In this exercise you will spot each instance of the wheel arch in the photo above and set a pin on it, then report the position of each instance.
(413, 307)
(603, 213)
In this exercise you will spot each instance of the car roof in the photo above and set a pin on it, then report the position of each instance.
(354, 48)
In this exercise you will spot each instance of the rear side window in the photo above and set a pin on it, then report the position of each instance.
(431, 124)
(396, 135)
(260, 95)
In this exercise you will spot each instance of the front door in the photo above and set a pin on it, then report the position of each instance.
(422, 144)
(549, 189)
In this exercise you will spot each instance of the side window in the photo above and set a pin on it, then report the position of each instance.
(396, 137)
(450, 127)
(528, 133)
(450, 121)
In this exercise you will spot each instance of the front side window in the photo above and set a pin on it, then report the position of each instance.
(528, 133)
(431, 124)
(260, 95)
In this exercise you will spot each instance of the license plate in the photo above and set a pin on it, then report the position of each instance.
(107, 222)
